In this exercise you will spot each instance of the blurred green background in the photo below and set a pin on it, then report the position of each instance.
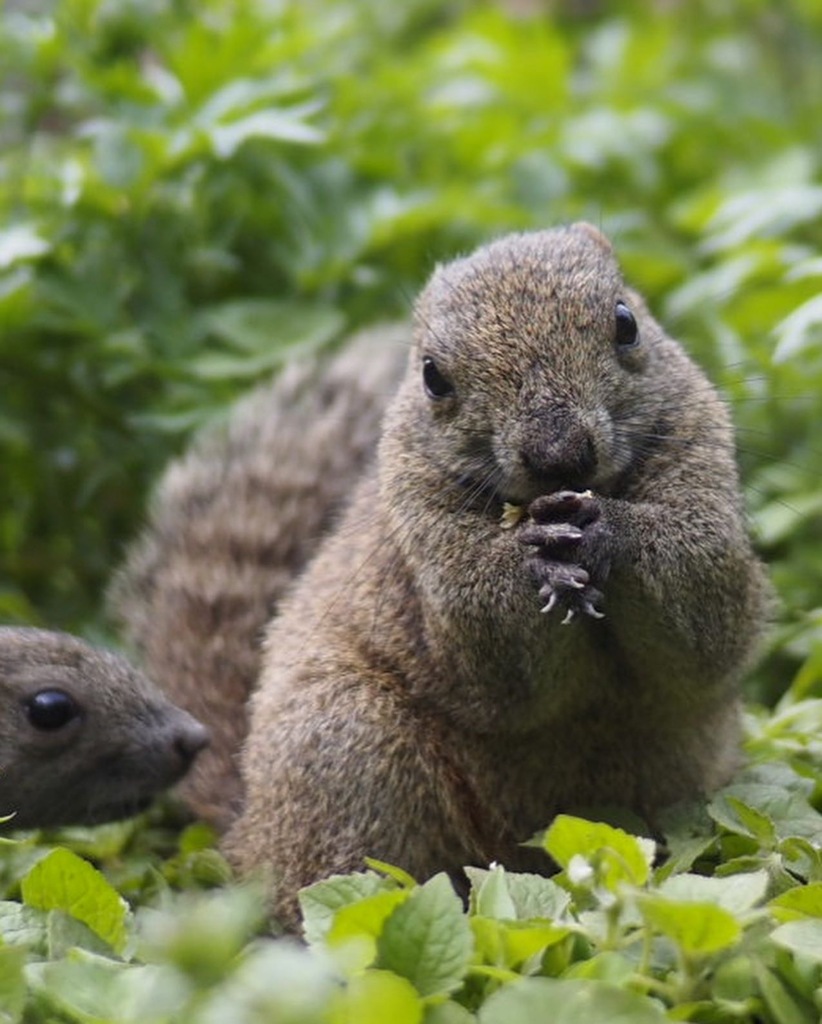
(190, 191)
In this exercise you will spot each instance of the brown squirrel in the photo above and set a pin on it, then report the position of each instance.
(84, 737)
(540, 598)
(232, 523)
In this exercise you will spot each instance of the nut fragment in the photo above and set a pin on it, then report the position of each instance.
(511, 515)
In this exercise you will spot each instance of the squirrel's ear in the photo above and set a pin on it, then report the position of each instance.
(594, 233)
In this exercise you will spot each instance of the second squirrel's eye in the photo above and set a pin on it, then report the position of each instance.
(627, 331)
(49, 710)
(437, 385)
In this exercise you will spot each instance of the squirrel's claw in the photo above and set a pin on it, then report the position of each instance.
(594, 612)
(575, 602)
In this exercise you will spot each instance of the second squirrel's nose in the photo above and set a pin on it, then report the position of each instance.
(189, 739)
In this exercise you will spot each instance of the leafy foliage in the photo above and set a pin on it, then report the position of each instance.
(190, 191)
(723, 926)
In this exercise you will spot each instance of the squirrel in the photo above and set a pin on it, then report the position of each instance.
(231, 524)
(540, 598)
(84, 737)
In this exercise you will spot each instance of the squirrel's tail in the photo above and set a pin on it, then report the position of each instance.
(231, 524)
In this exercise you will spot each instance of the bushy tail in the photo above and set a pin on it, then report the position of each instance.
(231, 524)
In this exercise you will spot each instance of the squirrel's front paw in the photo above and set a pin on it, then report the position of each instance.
(569, 560)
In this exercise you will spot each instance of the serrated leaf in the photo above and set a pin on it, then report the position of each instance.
(533, 896)
(428, 939)
(568, 1002)
(736, 893)
(622, 857)
(787, 808)
(697, 928)
(64, 881)
(321, 901)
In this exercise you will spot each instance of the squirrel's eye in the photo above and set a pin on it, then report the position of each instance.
(627, 332)
(436, 384)
(51, 709)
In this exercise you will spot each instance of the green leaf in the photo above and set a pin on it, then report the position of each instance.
(735, 979)
(23, 926)
(362, 922)
(689, 834)
(799, 330)
(780, 800)
(280, 125)
(608, 966)
(783, 1004)
(736, 893)
(268, 325)
(65, 933)
(697, 928)
(759, 825)
(321, 901)
(510, 943)
(428, 939)
(493, 898)
(206, 932)
(86, 989)
(803, 937)
(448, 1013)
(64, 881)
(620, 857)
(568, 1002)
(12, 984)
(522, 939)
(21, 242)
(532, 896)
(796, 904)
(377, 997)
(401, 877)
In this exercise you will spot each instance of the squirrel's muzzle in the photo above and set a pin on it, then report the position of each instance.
(557, 451)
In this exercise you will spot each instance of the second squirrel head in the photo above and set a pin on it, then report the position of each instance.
(529, 366)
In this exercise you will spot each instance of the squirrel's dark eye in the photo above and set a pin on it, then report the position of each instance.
(627, 332)
(51, 709)
(437, 385)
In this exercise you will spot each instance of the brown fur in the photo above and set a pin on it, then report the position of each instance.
(121, 743)
(414, 703)
(232, 523)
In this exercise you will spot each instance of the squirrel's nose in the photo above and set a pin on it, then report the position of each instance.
(564, 459)
(189, 738)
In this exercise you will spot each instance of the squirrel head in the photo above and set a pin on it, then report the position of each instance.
(84, 737)
(528, 370)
